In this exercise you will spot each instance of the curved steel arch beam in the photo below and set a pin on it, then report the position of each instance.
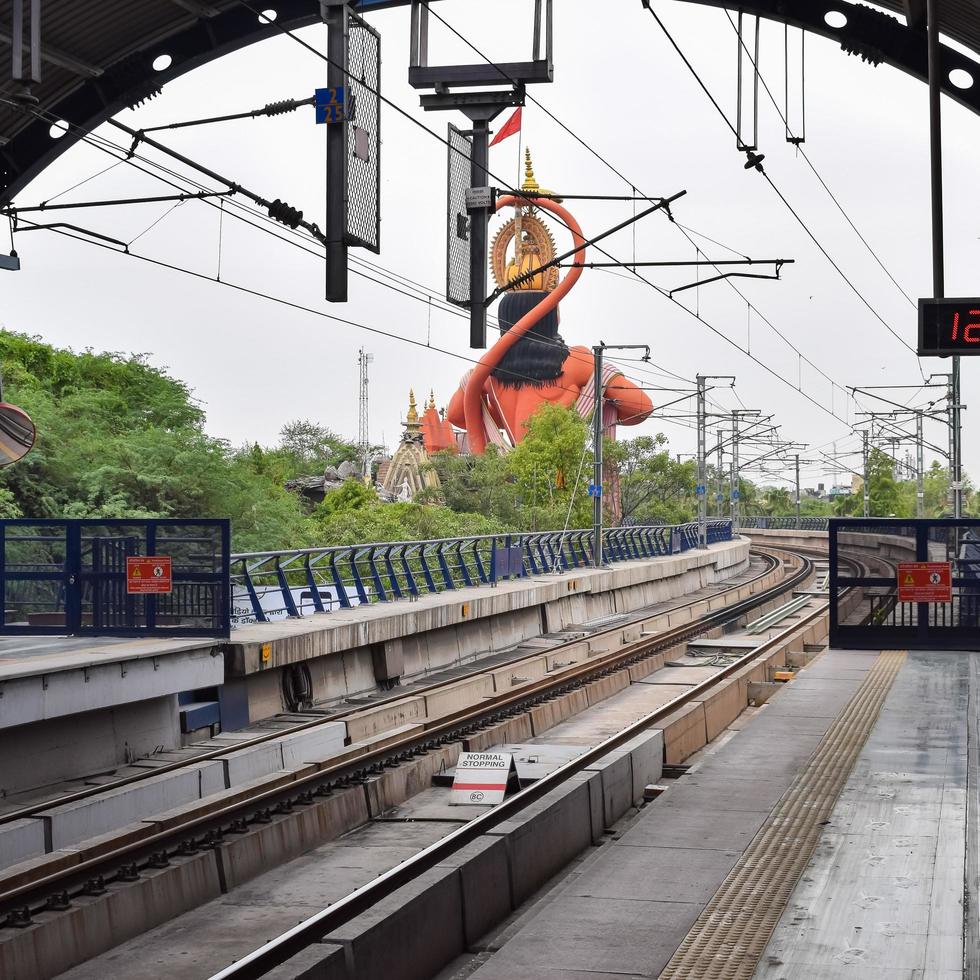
(872, 35)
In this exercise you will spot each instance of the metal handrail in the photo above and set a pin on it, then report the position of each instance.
(785, 523)
(305, 581)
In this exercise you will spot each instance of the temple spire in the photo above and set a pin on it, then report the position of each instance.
(530, 184)
(412, 419)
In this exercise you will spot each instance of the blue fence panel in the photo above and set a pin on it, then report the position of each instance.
(69, 577)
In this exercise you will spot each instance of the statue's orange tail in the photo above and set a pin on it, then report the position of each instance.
(473, 395)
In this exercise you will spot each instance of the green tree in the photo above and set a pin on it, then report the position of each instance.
(883, 489)
(394, 522)
(304, 448)
(551, 469)
(351, 495)
(778, 502)
(476, 485)
(119, 438)
(654, 487)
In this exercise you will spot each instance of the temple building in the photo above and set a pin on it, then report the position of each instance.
(406, 473)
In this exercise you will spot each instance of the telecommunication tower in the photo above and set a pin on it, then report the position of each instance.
(363, 441)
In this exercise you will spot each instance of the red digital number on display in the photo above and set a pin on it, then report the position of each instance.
(969, 337)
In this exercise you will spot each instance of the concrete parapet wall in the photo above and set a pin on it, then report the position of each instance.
(62, 748)
(896, 547)
(346, 649)
(61, 827)
(57, 689)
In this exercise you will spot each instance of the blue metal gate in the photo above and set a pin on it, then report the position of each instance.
(866, 611)
(68, 577)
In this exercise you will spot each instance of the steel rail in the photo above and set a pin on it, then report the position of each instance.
(315, 927)
(34, 809)
(206, 829)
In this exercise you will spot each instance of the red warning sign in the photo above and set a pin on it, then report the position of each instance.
(150, 575)
(925, 581)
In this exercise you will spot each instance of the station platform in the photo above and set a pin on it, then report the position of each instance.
(44, 677)
(831, 834)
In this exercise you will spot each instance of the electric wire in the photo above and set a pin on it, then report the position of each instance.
(635, 274)
(280, 232)
(282, 301)
(816, 173)
(721, 112)
(275, 232)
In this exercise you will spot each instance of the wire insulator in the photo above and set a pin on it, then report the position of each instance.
(278, 108)
(280, 211)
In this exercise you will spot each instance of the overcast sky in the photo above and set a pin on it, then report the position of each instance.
(255, 364)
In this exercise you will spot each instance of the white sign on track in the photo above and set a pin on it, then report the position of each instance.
(483, 777)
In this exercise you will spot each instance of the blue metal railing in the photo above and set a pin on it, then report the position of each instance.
(785, 523)
(275, 584)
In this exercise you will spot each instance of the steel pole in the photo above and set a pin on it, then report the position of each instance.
(920, 497)
(865, 489)
(701, 490)
(733, 479)
(938, 263)
(479, 226)
(797, 491)
(597, 458)
(718, 493)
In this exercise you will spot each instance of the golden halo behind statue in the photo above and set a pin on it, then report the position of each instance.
(537, 248)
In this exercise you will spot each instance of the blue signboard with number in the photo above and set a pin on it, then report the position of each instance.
(595, 490)
(331, 104)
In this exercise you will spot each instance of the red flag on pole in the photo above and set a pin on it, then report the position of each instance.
(513, 125)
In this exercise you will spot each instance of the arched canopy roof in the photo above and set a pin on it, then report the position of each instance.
(98, 55)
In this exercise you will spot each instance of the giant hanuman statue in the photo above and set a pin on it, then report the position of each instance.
(530, 365)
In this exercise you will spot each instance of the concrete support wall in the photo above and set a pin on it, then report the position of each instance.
(351, 652)
(62, 748)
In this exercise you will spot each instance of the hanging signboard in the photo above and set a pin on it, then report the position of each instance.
(483, 777)
(925, 581)
(149, 575)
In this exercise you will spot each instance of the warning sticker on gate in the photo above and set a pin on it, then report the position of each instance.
(483, 777)
(925, 581)
(149, 575)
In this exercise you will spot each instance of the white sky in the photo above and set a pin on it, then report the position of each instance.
(255, 365)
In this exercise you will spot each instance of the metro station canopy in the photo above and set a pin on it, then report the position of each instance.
(101, 56)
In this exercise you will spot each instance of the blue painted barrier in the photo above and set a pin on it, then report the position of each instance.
(284, 584)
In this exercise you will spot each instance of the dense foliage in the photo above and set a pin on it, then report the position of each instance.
(120, 438)
(117, 437)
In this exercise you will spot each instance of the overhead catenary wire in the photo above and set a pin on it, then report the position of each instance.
(683, 228)
(436, 135)
(816, 173)
(292, 304)
(721, 334)
(636, 275)
(721, 112)
(274, 228)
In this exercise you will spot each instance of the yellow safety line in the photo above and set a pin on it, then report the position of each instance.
(731, 934)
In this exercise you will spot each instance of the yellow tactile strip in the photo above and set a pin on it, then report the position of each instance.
(730, 935)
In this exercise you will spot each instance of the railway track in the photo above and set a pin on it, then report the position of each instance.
(55, 886)
(36, 808)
